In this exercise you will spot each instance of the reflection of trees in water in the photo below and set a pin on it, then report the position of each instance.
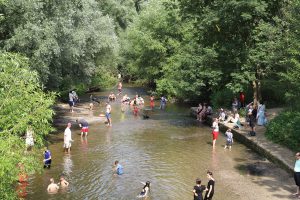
(68, 165)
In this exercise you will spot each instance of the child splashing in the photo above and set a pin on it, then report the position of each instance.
(145, 191)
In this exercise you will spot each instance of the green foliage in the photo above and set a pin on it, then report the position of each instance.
(162, 49)
(66, 41)
(222, 98)
(291, 74)
(284, 129)
(23, 104)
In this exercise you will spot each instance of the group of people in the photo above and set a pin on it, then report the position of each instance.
(209, 189)
(203, 110)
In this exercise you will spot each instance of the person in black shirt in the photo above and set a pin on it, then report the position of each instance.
(210, 187)
(198, 190)
(252, 117)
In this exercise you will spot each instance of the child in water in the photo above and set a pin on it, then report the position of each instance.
(145, 190)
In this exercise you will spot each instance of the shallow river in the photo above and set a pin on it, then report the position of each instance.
(170, 149)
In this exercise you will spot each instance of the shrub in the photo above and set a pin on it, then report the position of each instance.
(222, 98)
(285, 129)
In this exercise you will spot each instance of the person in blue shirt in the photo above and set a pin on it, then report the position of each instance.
(118, 168)
(47, 158)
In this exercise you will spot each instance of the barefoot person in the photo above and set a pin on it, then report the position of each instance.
(152, 102)
(47, 158)
(67, 138)
(52, 187)
(84, 125)
(297, 174)
(71, 101)
(120, 88)
(210, 189)
(229, 139)
(215, 131)
(198, 190)
(145, 191)
(107, 114)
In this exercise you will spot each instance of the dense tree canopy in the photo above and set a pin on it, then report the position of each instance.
(66, 41)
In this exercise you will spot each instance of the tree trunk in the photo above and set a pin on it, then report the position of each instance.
(256, 92)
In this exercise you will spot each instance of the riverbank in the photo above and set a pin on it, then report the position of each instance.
(276, 153)
(81, 110)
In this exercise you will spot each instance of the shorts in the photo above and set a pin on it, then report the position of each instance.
(67, 145)
(107, 115)
(120, 90)
(85, 129)
(251, 123)
(71, 103)
(215, 135)
(228, 142)
(297, 178)
(151, 104)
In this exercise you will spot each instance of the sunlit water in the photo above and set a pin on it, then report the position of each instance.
(170, 149)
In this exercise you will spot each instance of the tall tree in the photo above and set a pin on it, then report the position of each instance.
(66, 41)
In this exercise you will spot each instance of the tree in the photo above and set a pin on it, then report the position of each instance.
(244, 35)
(23, 104)
(66, 41)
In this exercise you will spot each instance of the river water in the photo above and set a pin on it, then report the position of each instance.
(170, 149)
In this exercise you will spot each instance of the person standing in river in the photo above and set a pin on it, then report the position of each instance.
(107, 114)
(152, 102)
(120, 87)
(198, 190)
(47, 158)
(68, 138)
(84, 125)
(71, 101)
(210, 188)
(297, 174)
(215, 131)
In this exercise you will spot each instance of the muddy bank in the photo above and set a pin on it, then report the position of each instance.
(81, 111)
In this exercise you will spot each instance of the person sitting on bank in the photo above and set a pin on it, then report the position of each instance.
(52, 187)
(145, 191)
(203, 112)
(235, 120)
(209, 110)
(222, 115)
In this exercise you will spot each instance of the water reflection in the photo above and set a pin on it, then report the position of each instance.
(67, 165)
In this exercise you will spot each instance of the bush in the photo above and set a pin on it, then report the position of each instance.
(285, 129)
(222, 98)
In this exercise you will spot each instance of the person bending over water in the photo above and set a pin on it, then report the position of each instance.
(145, 191)
(118, 168)
(52, 187)
(198, 190)
(84, 125)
